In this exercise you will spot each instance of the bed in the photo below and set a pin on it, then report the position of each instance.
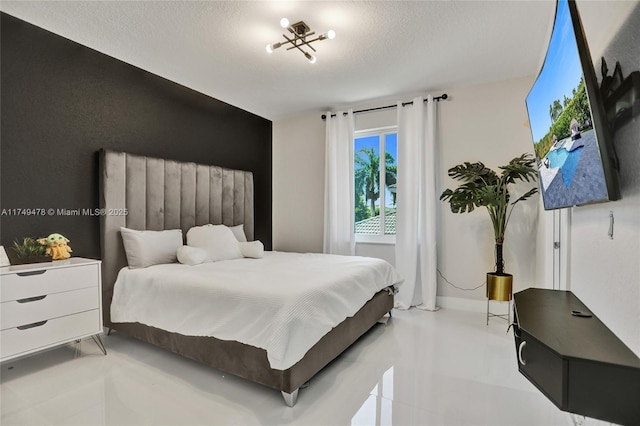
(145, 193)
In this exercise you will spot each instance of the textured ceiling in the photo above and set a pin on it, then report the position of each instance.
(382, 48)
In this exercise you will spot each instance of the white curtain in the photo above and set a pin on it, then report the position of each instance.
(338, 185)
(416, 257)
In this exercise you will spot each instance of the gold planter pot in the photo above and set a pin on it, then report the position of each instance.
(499, 288)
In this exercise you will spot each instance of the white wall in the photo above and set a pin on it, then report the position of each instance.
(605, 273)
(485, 123)
(298, 183)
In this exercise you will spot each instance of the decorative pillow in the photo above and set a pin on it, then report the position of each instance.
(253, 249)
(191, 255)
(146, 248)
(238, 231)
(217, 240)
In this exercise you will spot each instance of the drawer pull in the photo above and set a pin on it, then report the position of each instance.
(31, 299)
(28, 274)
(33, 325)
(520, 348)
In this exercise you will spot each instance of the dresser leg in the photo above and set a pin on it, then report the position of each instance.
(96, 338)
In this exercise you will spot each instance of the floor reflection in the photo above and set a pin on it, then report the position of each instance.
(377, 410)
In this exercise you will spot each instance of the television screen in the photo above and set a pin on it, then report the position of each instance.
(569, 128)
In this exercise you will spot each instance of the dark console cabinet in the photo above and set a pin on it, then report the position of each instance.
(576, 361)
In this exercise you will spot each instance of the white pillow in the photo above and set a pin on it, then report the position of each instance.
(253, 249)
(146, 248)
(191, 255)
(238, 231)
(217, 240)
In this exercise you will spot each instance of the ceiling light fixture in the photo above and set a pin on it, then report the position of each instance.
(300, 32)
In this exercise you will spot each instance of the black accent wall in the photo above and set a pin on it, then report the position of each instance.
(62, 102)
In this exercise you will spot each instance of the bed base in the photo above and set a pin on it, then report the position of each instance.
(251, 363)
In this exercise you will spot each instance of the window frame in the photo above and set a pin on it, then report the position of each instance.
(382, 132)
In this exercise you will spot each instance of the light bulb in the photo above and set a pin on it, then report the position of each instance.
(310, 57)
(331, 34)
(284, 23)
(272, 47)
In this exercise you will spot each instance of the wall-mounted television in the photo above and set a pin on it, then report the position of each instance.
(571, 135)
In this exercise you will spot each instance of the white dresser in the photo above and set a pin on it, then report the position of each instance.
(43, 305)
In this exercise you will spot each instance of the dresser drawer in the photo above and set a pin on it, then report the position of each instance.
(27, 311)
(36, 283)
(15, 342)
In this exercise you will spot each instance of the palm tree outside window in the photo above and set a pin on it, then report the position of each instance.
(375, 184)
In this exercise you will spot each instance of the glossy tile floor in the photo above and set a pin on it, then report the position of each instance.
(422, 368)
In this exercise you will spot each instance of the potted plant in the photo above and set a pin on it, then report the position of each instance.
(28, 251)
(483, 187)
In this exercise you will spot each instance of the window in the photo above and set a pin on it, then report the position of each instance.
(373, 172)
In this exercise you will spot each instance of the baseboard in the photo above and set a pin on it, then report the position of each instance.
(471, 305)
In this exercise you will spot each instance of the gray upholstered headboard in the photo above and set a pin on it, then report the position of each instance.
(164, 194)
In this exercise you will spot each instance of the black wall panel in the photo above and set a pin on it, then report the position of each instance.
(61, 102)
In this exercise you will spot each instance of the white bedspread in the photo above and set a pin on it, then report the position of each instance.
(283, 303)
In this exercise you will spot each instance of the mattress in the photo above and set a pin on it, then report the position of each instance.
(283, 303)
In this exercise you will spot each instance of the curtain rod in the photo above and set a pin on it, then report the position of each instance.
(435, 98)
